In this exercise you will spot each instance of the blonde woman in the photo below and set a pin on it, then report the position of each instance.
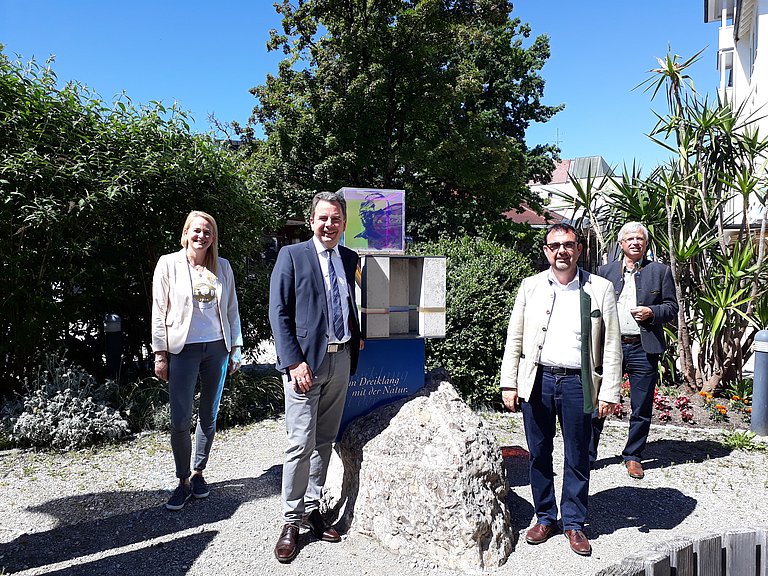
(195, 334)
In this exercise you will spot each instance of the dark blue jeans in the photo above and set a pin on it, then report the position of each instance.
(209, 361)
(558, 398)
(643, 372)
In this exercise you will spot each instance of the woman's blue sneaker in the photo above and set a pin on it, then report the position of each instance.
(199, 486)
(179, 497)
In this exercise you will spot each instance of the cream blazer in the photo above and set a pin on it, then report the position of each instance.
(528, 326)
(172, 304)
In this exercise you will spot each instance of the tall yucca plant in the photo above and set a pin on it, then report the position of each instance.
(588, 210)
(688, 205)
(717, 157)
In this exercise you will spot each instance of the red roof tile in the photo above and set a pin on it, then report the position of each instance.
(524, 214)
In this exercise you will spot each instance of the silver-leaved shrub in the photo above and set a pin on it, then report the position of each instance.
(66, 408)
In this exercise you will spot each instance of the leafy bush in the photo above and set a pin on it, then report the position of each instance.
(92, 195)
(145, 404)
(9, 411)
(65, 408)
(482, 280)
(249, 396)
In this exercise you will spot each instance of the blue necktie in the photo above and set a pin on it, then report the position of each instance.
(336, 311)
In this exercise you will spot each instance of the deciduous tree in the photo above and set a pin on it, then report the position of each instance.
(430, 96)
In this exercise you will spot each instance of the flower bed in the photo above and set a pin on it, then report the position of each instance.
(702, 410)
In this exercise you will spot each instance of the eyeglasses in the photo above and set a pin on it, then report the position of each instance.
(555, 246)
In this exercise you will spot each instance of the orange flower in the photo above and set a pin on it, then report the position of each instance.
(735, 398)
(702, 393)
(720, 408)
(748, 409)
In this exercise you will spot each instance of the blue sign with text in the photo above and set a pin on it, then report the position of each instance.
(388, 369)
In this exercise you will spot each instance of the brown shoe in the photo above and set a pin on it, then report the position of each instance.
(579, 542)
(541, 533)
(634, 469)
(286, 547)
(316, 524)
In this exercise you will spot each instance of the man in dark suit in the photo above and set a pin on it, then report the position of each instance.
(646, 300)
(314, 322)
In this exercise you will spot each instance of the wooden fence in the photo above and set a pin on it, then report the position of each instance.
(729, 553)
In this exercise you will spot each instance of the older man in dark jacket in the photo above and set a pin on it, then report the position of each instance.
(645, 298)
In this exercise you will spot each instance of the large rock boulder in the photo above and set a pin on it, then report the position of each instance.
(424, 477)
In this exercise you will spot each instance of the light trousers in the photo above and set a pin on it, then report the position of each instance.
(312, 421)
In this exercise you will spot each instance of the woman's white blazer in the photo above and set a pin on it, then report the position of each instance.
(172, 303)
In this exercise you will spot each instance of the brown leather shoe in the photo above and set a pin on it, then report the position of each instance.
(579, 542)
(286, 547)
(316, 524)
(634, 469)
(541, 533)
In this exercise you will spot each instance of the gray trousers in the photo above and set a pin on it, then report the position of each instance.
(209, 361)
(312, 420)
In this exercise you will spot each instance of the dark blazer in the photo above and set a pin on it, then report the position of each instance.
(298, 308)
(655, 289)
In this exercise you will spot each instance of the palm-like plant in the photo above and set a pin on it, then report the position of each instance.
(696, 207)
(715, 166)
(588, 208)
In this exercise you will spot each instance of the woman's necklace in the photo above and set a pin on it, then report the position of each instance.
(193, 264)
(203, 287)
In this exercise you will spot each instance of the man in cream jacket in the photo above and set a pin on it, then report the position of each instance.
(562, 362)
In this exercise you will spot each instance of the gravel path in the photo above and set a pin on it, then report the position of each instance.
(101, 511)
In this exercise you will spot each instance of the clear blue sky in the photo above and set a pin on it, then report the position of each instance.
(206, 55)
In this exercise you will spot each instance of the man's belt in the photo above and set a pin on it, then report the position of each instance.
(337, 347)
(560, 370)
(633, 339)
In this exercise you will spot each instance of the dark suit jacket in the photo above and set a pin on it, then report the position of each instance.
(655, 289)
(298, 308)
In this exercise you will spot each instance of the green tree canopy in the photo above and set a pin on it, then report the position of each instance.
(91, 197)
(431, 96)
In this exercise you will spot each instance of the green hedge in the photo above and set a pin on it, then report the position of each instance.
(482, 280)
(92, 195)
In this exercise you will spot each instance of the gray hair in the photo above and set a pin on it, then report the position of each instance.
(330, 197)
(633, 227)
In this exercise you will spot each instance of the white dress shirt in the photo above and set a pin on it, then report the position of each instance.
(338, 266)
(562, 344)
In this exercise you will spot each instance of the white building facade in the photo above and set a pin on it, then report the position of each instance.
(742, 57)
(742, 61)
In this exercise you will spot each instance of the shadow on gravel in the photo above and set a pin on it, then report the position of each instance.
(78, 534)
(644, 508)
(169, 559)
(520, 510)
(663, 453)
